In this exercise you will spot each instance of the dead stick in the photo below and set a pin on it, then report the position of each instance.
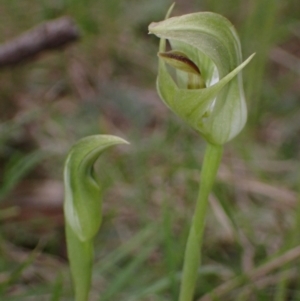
(49, 35)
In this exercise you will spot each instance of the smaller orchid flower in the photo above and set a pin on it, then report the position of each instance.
(83, 207)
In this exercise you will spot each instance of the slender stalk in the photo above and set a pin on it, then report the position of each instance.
(192, 257)
(80, 256)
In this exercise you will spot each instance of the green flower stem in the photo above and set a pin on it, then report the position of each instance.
(80, 254)
(192, 257)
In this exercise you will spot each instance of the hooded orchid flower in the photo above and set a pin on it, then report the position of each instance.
(208, 92)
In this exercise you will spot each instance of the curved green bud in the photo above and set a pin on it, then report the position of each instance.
(217, 108)
(83, 198)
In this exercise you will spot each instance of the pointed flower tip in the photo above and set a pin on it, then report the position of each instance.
(112, 139)
(170, 10)
(154, 25)
(151, 26)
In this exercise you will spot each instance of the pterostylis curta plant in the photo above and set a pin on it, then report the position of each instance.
(82, 207)
(207, 92)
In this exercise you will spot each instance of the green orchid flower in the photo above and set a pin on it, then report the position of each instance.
(208, 92)
(83, 207)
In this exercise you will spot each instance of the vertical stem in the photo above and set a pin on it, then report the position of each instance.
(80, 254)
(192, 256)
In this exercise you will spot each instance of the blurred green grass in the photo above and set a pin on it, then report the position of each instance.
(106, 84)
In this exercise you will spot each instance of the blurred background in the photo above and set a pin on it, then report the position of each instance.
(105, 83)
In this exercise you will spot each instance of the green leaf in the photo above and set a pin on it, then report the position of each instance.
(83, 197)
(210, 41)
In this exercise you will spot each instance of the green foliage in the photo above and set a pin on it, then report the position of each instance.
(17, 168)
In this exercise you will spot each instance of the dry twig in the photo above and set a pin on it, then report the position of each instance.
(49, 35)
